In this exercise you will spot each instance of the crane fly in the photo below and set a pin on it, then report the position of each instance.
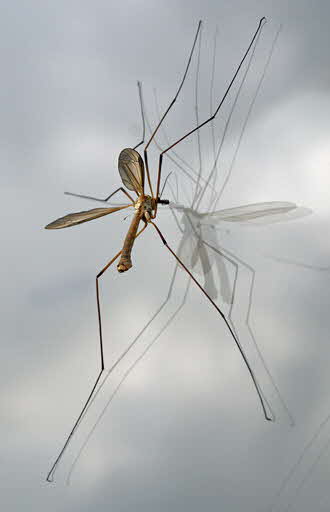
(199, 247)
(132, 169)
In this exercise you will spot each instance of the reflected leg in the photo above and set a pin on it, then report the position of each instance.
(256, 385)
(234, 260)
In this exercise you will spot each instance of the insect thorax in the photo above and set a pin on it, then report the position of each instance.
(146, 206)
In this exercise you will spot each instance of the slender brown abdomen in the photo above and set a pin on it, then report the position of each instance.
(125, 261)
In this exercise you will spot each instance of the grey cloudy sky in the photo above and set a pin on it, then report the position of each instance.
(186, 431)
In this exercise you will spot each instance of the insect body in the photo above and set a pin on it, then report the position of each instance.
(131, 170)
(143, 212)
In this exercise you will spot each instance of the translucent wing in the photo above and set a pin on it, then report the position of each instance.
(218, 260)
(195, 255)
(254, 211)
(131, 170)
(77, 218)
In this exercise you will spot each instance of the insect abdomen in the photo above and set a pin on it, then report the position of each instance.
(125, 261)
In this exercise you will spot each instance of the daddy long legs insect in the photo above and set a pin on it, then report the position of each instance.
(209, 254)
(132, 169)
(200, 230)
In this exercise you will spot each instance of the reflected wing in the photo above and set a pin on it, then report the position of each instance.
(252, 211)
(199, 259)
(131, 170)
(192, 250)
(77, 218)
(218, 258)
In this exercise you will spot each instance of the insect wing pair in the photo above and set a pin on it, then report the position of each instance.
(131, 170)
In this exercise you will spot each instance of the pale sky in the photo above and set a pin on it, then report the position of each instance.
(186, 431)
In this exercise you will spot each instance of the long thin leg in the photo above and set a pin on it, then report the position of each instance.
(172, 159)
(50, 476)
(167, 142)
(139, 144)
(102, 200)
(261, 23)
(127, 350)
(204, 245)
(133, 365)
(133, 343)
(142, 115)
(224, 253)
(213, 173)
(247, 118)
(147, 349)
(212, 177)
(267, 417)
(174, 153)
(167, 111)
(199, 152)
(198, 187)
(179, 89)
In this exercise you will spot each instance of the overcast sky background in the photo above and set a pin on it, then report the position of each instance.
(186, 431)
